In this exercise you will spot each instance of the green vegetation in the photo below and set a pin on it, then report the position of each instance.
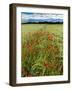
(42, 49)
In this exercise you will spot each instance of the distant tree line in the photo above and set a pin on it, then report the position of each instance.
(43, 23)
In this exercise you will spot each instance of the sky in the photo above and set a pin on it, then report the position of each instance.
(40, 17)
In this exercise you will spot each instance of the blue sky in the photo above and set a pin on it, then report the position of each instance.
(36, 17)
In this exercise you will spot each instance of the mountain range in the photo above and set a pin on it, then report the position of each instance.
(51, 20)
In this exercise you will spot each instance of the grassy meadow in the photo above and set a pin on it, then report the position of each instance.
(42, 49)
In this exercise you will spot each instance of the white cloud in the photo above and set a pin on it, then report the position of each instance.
(41, 16)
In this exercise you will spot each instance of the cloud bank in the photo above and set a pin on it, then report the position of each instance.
(41, 17)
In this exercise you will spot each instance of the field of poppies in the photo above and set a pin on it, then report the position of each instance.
(42, 50)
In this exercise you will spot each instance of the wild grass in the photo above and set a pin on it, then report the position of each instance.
(42, 49)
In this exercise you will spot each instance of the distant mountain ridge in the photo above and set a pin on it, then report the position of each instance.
(51, 20)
